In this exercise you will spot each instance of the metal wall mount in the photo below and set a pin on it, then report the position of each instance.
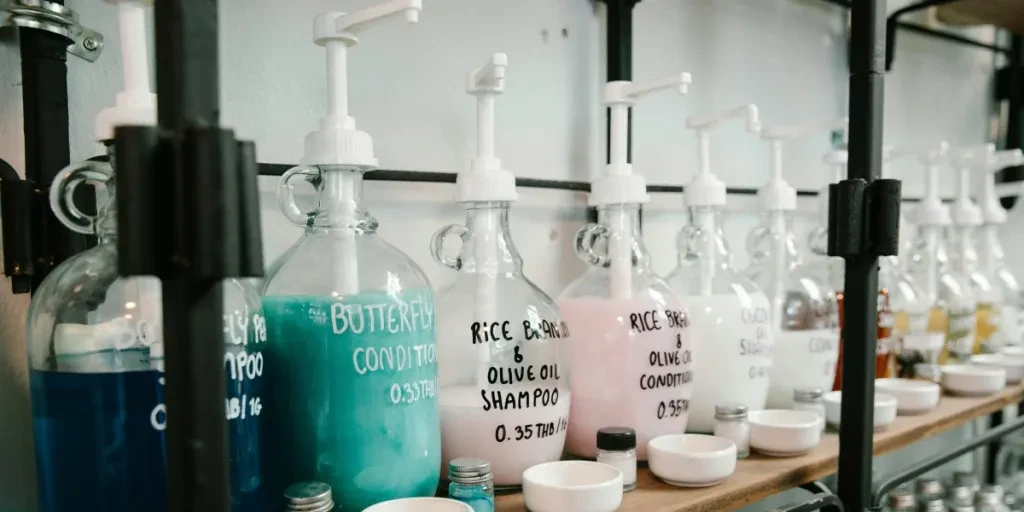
(86, 43)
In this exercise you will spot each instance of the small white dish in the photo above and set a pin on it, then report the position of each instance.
(1014, 365)
(912, 396)
(972, 380)
(784, 433)
(572, 486)
(884, 412)
(691, 460)
(1013, 350)
(420, 505)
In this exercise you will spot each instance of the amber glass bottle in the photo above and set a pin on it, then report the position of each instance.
(883, 365)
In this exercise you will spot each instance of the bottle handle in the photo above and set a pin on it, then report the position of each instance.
(437, 245)
(286, 194)
(754, 243)
(586, 238)
(62, 194)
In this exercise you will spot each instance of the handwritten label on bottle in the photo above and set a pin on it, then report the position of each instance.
(803, 360)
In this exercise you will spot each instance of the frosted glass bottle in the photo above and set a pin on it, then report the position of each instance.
(804, 312)
(502, 360)
(953, 300)
(352, 341)
(963, 259)
(729, 318)
(990, 253)
(95, 352)
(630, 358)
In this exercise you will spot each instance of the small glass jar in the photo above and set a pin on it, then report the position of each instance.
(616, 446)
(731, 423)
(961, 497)
(308, 497)
(928, 488)
(902, 500)
(472, 483)
(810, 400)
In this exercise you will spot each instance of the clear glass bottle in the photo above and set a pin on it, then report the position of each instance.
(731, 423)
(472, 483)
(504, 381)
(729, 315)
(630, 356)
(352, 340)
(95, 353)
(910, 342)
(1006, 284)
(616, 446)
(805, 312)
(955, 299)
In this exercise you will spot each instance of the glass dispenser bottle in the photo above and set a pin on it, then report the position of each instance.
(963, 258)
(804, 310)
(351, 318)
(990, 249)
(503, 369)
(728, 313)
(947, 290)
(95, 346)
(629, 346)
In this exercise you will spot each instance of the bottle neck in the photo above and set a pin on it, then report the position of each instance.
(990, 250)
(928, 253)
(772, 241)
(625, 244)
(960, 249)
(487, 246)
(339, 201)
(702, 240)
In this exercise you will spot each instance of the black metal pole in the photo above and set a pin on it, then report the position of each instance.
(867, 74)
(189, 99)
(44, 86)
(619, 46)
(1010, 86)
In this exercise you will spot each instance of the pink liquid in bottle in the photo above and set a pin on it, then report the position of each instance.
(630, 365)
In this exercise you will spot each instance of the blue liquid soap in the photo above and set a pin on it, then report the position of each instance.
(354, 391)
(100, 437)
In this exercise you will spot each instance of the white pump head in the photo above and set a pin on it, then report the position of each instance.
(136, 105)
(964, 211)
(991, 210)
(338, 142)
(929, 211)
(619, 185)
(706, 189)
(778, 195)
(486, 180)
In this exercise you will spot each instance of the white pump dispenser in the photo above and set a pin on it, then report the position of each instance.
(136, 104)
(337, 141)
(622, 317)
(806, 344)
(728, 313)
(990, 250)
(493, 320)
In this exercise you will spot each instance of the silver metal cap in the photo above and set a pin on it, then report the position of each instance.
(967, 479)
(902, 499)
(808, 395)
(469, 471)
(730, 412)
(935, 505)
(961, 495)
(308, 497)
(929, 488)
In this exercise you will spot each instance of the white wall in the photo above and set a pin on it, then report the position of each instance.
(788, 56)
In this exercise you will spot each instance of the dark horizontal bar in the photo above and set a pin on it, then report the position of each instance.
(937, 34)
(827, 502)
(923, 467)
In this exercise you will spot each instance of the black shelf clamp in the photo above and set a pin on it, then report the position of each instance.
(188, 213)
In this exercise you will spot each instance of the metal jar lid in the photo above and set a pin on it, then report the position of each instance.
(934, 505)
(967, 479)
(308, 497)
(929, 487)
(961, 495)
(808, 395)
(469, 471)
(730, 412)
(902, 499)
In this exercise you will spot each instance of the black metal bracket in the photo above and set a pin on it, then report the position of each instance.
(16, 196)
(864, 218)
(56, 18)
(894, 18)
(908, 474)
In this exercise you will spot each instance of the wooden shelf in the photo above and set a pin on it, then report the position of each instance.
(1003, 13)
(758, 476)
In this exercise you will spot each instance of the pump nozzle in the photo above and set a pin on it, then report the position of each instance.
(337, 142)
(930, 211)
(777, 194)
(619, 185)
(136, 105)
(486, 180)
(964, 211)
(706, 189)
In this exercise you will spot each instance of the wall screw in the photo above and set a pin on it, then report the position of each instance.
(90, 44)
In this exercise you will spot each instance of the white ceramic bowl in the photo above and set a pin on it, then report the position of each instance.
(1014, 365)
(784, 433)
(572, 486)
(421, 505)
(691, 460)
(972, 380)
(1013, 350)
(912, 396)
(884, 414)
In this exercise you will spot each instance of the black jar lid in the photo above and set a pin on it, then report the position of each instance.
(616, 438)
